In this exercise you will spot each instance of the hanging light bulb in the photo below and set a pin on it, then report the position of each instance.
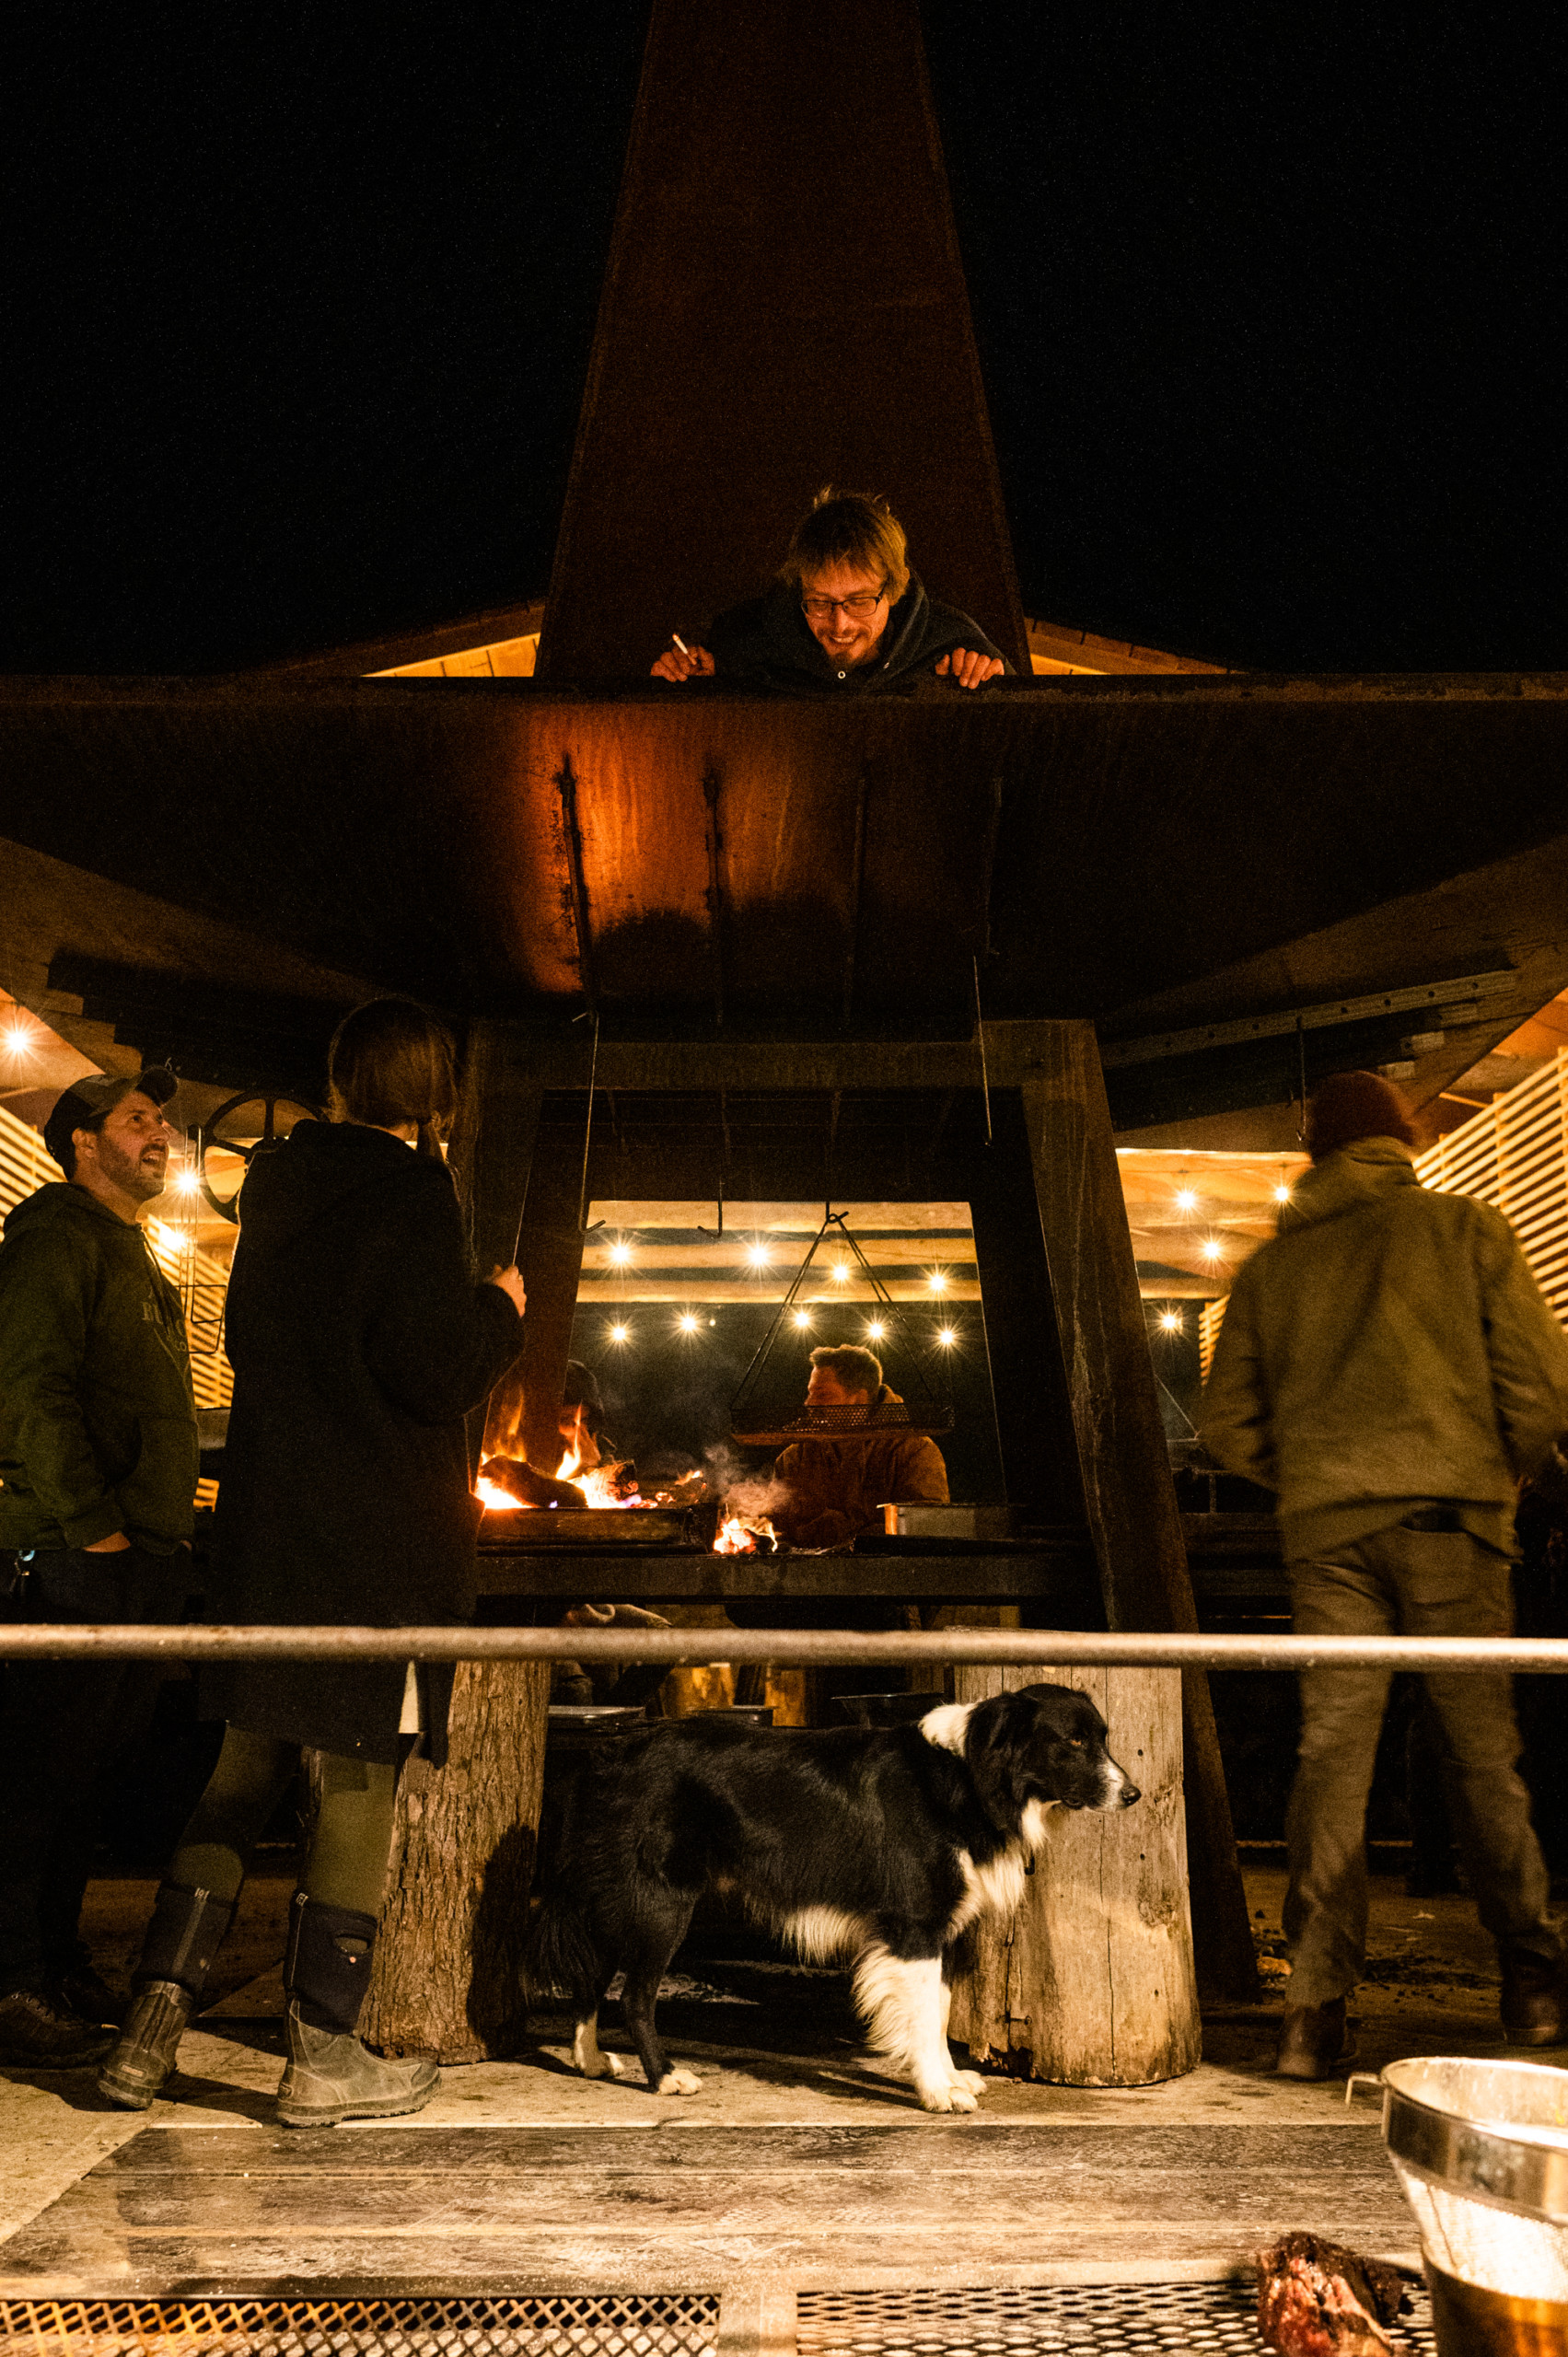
(688, 1322)
(620, 1333)
(621, 1253)
(1171, 1321)
(803, 1318)
(759, 1255)
(947, 1338)
(1212, 1248)
(937, 1279)
(1186, 1199)
(840, 1271)
(875, 1330)
(1281, 1194)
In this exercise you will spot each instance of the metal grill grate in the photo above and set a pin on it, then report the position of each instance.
(1123, 2317)
(673, 2325)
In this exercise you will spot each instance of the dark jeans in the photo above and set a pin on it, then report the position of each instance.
(59, 1721)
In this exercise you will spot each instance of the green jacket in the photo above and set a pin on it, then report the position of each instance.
(97, 1420)
(1388, 1349)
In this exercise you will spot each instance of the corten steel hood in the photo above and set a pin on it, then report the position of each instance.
(819, 868)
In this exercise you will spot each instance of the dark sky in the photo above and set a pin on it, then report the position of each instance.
(1269, 302)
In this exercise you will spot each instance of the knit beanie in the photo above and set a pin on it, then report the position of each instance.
(1353, 1105)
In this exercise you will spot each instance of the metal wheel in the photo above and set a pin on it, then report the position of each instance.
(239, 1130)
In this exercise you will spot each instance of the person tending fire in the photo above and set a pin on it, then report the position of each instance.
(846, 616)
(838, 1485)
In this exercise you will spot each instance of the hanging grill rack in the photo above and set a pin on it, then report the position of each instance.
(753, 1429)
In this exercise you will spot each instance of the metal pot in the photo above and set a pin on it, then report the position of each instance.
(1480, 2150)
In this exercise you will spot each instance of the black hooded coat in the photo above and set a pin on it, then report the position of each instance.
(766, 643)
(359, 1341)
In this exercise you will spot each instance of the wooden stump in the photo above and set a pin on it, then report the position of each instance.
(1091, 1985)
(446, 1980)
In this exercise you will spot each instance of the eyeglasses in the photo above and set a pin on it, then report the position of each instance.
(864, 602)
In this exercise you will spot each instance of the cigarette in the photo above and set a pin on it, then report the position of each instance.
(680, 642)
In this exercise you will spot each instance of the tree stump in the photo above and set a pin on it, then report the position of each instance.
(446, 1980)
(1091, 1985)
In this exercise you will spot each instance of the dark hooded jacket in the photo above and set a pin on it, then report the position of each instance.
(766, 642)
(97, 1422)
(359, 1342)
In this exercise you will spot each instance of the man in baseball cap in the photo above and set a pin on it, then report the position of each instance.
(97, 1478)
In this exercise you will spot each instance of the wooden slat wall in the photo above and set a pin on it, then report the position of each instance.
(1514, 1155)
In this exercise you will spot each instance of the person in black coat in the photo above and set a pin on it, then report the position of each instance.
(845, 617)
(359, 1341)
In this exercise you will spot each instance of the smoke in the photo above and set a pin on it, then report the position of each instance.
(744, 1492)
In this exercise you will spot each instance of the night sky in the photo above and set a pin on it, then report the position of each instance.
(1269, 303)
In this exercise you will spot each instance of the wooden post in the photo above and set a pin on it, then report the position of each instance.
(445, 1979)
(1128, 1493)
(1095, 1991)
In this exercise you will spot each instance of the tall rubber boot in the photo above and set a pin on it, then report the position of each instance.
(330, 2074)
(177, 1955)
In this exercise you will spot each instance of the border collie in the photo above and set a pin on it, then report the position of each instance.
(875, 1844)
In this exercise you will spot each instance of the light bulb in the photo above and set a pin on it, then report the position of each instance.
(803, 1318)
(688, 1322)
(1212, 1248)
(875, 1330)
(937, 1280)
(16, 1039)
(1171, 1321)
(620, 1333)
(840, 1271)
(187, 1181)
(1281, 1194)
(947, 1338)
(621, 1254)
(1186, 1199)
(759, 1255)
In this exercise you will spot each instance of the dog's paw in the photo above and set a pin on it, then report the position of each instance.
(954, 2097)
(678, 2083)
(601, 2065)
(971, 2079)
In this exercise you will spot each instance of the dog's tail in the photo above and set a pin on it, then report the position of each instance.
(562, 1957)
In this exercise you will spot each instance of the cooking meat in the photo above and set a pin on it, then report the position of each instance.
(1316, 2299)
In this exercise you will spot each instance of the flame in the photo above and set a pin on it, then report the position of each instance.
(734, 1538)
(567, 1468)
(495, 1499)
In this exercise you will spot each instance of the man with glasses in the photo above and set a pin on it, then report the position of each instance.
(846, 616)
(97, 1480)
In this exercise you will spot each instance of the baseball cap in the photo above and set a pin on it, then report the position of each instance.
(87, 1100)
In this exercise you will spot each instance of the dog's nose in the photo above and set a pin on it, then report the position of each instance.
(1130, 1794)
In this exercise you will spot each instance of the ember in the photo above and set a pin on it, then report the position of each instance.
(601, 1486)
(495, 1499)
(739, 1534)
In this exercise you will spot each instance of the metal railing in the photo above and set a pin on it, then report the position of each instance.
(688, 1648)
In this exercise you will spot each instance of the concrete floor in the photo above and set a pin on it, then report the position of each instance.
(797, 2157)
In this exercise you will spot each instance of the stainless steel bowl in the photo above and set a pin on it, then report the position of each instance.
(1480, 2150)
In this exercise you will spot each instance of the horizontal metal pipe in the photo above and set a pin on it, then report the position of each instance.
(1076, 1648)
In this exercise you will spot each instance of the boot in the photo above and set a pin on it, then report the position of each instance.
(1532, 2006)
(39, 2032)
(177, 1954)
(1316, 2042)
(330, 2074)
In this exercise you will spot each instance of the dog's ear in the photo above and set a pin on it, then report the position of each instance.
(992, 1753)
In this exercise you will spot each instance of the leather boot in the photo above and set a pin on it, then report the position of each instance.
(1532, 2007)
(330, 2074)
(1316, 2042)
(177, 1955)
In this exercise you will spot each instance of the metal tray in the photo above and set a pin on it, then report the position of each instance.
(994, 1523)
(609, 1530)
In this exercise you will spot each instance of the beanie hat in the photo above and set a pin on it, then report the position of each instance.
(1354, 1105)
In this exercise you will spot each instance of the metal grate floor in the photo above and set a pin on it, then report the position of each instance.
(1121, 2317)
(671, 2325)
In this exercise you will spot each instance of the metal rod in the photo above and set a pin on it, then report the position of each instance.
(589, 1135)
(979, 1035)
(1062, 1648)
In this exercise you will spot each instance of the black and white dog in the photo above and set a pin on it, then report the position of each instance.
(879, 1844)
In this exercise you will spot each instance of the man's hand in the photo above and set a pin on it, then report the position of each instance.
(683, 663)
(112, 1545)
(510, 1282)
(968, 669)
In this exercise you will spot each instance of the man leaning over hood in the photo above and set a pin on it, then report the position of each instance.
(1388, 1367)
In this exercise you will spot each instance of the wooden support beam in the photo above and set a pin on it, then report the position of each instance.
(1128, 1499)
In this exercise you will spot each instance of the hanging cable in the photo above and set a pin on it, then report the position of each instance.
(979, 1035)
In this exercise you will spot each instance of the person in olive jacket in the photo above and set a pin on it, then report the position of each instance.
(359, 1341)
(97, 1480)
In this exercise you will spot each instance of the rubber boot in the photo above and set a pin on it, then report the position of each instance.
(330, 2074)
(177, 1955)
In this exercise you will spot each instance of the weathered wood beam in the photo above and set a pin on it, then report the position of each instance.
(1129, 1498)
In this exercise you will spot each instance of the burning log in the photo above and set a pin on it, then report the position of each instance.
(512, 1483)
(1316, 2299)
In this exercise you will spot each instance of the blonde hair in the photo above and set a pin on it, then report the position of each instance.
(391, 1061)
(849, 528)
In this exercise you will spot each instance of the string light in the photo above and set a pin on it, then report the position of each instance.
(1171, 1320)
(620, 1333)
(759, 1255)
(688, 1322)
(18, 1038)
(187, 1181)
(840, 1271)
(875, 1330)
(937, 1280)
(1186, 1199)
(803, 1318)
(947, 1338)
(1213, 1249)
(1281, 1194)
(621, 1254)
